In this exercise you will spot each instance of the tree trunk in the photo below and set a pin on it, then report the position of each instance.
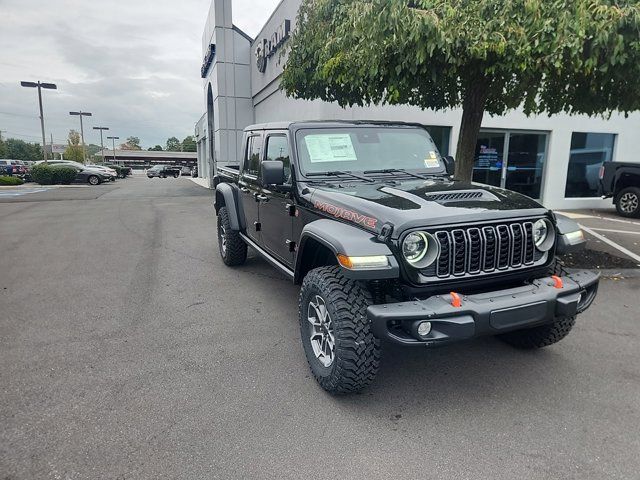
(472, 111)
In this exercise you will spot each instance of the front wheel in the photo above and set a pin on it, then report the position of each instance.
(176, 175)
(628, 202)
(94, 180)
(232, 248)
(342, 353)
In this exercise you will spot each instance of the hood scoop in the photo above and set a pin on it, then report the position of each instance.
(462, 196)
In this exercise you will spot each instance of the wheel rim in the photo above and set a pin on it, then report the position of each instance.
(629, 202)
(222, 238)
(93, 180)
(322, 338)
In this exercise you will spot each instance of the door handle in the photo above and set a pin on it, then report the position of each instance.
(261, 198)
(244, 189)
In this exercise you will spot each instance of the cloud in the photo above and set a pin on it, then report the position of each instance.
(135, 65)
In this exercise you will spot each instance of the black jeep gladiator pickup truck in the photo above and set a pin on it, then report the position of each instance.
(366, 217)
(621, 180)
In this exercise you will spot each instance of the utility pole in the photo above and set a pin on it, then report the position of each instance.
(101, 143)
(40, 86)
(82, 114)
(52, 156)
(113, 144)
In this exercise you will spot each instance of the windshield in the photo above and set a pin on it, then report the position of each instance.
(359, 149)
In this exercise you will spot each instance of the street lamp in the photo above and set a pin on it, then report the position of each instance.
(82, 114)
(40, 86)
(101, 144)
(113, 144)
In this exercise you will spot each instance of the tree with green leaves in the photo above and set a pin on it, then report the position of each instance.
(132, 143)
(74, 149)
(20, 150)
(173, 145)
(157, 148)
(485, 56)
(189, 144)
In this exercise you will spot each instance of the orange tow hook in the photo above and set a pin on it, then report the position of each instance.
(557, 281)
(455, 300)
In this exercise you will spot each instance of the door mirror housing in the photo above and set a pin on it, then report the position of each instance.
(449, 164)
(272, 172)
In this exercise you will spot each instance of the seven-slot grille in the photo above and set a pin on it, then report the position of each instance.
(484, 249)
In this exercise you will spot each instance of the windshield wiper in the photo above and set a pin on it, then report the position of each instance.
(400, 170)
(335, 173)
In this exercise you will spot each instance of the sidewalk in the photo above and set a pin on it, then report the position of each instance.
(203, 182)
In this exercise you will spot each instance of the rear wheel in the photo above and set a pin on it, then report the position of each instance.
(176, 175)
(93, 180)
(628, 202)
(232, 248)
(342, 353)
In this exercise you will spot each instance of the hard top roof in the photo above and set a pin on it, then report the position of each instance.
(327, 123)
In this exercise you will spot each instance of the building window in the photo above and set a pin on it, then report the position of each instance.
(588, 152)
(440, 136)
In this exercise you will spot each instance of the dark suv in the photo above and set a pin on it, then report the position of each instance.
(386, 245)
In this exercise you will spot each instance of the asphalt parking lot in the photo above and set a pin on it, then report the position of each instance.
(128, 350)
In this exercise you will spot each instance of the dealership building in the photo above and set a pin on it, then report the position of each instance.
(554, 159)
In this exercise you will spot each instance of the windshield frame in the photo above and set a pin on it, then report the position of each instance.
(299, 134)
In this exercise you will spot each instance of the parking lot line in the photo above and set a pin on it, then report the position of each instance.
(614, 231)
(604, 239)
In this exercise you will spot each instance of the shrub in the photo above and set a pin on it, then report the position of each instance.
(52, 174)
(7, 180)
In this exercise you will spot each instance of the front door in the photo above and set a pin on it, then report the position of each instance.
(249, 185)
(513, 160)
(275, 206)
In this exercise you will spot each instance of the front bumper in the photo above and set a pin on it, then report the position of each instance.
(488, 313)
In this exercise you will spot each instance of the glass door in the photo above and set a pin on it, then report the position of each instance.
(487, 165)
(520, 169)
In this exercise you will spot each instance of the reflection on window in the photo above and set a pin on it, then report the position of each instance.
(440, 136)
(588, 152)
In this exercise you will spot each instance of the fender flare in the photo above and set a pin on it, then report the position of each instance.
(348, 240)
(229, 194)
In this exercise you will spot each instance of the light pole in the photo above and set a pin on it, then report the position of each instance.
(113, 144)
(82, 114)
(40, 86)
(101, 144)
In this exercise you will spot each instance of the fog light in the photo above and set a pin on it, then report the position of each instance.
(424, 328)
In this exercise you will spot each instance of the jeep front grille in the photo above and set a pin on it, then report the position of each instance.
(476, 250)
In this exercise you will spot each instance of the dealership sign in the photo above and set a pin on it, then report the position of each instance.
(208, 59)
(266, 48)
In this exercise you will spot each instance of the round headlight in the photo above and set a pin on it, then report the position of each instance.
(543, 234)
(414, 247)
(420, 249)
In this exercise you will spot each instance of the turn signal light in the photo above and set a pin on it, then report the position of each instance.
(363, 263)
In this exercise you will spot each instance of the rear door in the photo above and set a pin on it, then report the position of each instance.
(249, 184)
(276, 206)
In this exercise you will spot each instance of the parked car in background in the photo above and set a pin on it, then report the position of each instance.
(5, 167)
(113, 173)
(90, 176)
(16, 168)
(194, 172)
(163, 171)
(185, 170)
(621, 181)
(121, 169)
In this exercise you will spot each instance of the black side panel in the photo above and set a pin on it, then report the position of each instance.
(229, 194)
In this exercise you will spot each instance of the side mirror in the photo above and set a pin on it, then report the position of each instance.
(272, 172)
(450, 164)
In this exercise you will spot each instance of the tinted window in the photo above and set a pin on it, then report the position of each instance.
(278, 149)
(588, 152)
(252, 160)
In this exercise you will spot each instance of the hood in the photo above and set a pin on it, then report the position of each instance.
(414, 203)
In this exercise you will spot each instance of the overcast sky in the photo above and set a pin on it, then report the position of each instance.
(134, 64)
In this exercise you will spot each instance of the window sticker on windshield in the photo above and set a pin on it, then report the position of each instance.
(432, 160)
(332, 147)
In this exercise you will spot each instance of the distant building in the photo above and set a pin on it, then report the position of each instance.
(141, 159)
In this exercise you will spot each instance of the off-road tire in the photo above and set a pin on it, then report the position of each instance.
(628, 193)
(542, 336)
(235, 251)
(357, 352)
